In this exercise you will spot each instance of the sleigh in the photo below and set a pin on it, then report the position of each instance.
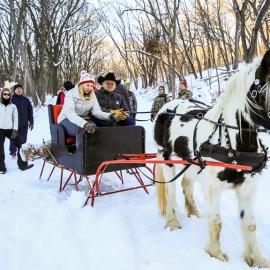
(109, 149)
(89, 155)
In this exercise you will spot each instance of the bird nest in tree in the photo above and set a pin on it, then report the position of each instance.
(153, 44)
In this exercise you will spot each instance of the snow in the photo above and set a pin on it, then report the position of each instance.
(43, 229)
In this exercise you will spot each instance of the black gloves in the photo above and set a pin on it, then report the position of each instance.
(14, 134)
(89, 128)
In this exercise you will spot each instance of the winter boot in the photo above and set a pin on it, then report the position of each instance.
(3, 171)
(26, 167)
(23, 165)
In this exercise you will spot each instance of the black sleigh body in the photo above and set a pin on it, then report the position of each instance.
(86, 152)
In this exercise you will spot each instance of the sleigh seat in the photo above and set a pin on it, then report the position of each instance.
(93, 149)
(54, 111)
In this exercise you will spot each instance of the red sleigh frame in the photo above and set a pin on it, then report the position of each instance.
(94, 187)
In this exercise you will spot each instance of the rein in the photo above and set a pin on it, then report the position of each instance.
(159, 182)
(200, 116)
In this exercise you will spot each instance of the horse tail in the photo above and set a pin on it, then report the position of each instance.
(161, 190)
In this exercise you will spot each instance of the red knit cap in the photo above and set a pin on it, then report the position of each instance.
(184, 82)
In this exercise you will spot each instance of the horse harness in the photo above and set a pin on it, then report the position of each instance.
(226, 153)
(215, 151)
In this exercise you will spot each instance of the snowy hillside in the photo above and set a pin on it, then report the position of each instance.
(41, 229)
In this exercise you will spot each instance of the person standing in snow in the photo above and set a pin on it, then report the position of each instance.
(184, 93)
(159, 101)
(80, 105)
(25, 112)
(9, 129)
(132, 100)
(61, 95)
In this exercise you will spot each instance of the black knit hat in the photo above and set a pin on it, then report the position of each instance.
(109, 77)
(17, 86)
(68, 85)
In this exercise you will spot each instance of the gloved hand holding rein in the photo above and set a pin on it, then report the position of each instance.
(120, 115)
(114, 117)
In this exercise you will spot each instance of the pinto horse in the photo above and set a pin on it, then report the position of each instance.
(230, 128)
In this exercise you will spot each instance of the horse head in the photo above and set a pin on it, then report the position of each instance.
(259, 94)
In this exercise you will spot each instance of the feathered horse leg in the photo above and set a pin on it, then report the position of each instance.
(212, 192)
(246, 195)
(187, 186)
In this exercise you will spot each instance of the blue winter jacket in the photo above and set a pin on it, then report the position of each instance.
(25, 109)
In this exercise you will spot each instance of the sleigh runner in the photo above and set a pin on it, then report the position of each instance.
(131, 160)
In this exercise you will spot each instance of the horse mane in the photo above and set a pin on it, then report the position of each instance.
(234, 99)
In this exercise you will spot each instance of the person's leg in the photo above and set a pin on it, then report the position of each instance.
(23, 165)
(12, 148)
(134, 119)
(2, 152)
(102, 123)
(132, 122)
(70, 128)
(22, 132)
(127, 122)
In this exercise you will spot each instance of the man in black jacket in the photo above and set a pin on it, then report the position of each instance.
(25, 112)
(110, 100)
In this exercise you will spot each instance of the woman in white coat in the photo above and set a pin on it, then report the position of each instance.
(80, 103)
(9, 129)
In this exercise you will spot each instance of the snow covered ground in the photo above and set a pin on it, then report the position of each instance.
(42, 229)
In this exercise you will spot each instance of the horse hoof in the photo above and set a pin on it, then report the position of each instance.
(193, 212)
(173, 225)
(217, 254)
(257, 261)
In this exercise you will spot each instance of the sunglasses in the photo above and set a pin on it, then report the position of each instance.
(6, 95)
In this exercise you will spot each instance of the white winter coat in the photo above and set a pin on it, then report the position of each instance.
(8, 116)
(76, 108)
